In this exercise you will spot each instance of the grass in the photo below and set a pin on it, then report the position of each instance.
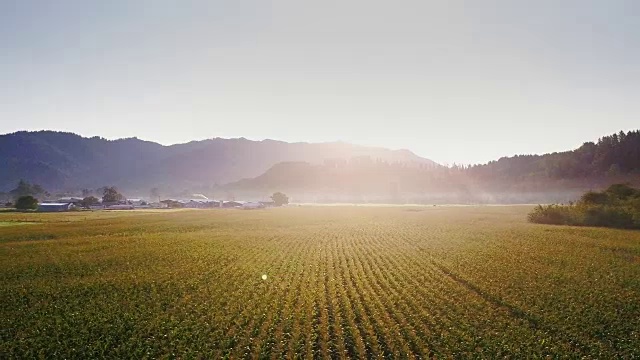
(15, 223)
(342, 282)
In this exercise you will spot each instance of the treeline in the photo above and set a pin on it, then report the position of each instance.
(24, 188)
(555, 177)
(617, 154)
(363, 177)
(27, 196)
(618, 207)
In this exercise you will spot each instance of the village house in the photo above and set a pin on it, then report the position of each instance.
(55, 207)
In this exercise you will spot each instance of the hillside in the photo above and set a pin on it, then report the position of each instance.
(613, 155)
(324, 172)
(556, 177)
(66, 161)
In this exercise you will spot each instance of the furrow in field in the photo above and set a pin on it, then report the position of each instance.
(342, 335)
(415, 295)
(371, 271)
(380, 280)
(325, 315)
(261, 334)
(532, 321)
(294, 344)
(285, 281)
(467, 305)
(354, 335)
(502, 312)
(257, 298)
(375, 309)
(370, 346)
(409, 311)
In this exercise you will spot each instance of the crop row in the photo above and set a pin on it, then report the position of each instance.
(340, 283)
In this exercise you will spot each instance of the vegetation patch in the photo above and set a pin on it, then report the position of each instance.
(316, 282)
(15, 223)
(616, 207)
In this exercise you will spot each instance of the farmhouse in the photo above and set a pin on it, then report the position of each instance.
(55, 207)
(232, 204)
(119, 207)
(200, 204)
(252, 205)
(70, 199)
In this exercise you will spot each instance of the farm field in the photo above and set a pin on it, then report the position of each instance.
(358, 282)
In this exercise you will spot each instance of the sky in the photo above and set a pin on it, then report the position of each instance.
(454, 81)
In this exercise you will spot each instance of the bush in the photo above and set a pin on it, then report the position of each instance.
(594, 198)
(617, 207)
(88, 201)
(280, 199)
(608, 216)
(27, 202)
(622, 191)
(554, 215)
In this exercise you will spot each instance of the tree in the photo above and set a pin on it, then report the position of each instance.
(86, 193)
(594, 198)
(614, 170)
(89, 200)
(24, 188)
(280, 199)
(621, 191)
(26, 202)
(155, 194)
(111, 194)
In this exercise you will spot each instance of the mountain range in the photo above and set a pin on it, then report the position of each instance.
(309, 172)
(65, 161)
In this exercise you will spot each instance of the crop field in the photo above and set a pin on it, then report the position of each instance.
(316, 282)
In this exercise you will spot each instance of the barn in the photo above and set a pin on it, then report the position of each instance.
(252, 205)
(54, 207)
(232, 204)
(70, 199)
(119, 207)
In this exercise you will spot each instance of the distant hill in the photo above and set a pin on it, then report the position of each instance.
(556, 177)
(66, 161)
(613, 155)
(325, 172)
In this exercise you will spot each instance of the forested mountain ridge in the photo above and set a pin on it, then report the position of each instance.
(312, 172)
(555, 177)
(615, 154)
(59, 160)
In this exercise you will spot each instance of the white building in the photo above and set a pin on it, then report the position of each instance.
(252, 205)
(55, 207)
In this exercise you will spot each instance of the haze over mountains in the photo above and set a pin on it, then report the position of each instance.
(320, 172)
(65, 161)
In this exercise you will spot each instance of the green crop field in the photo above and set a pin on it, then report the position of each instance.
(359, 282)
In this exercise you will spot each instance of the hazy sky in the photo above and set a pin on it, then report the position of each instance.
(454, 81)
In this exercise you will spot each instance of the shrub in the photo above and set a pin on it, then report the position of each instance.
(551, 214)
(89, 200)
(594, 198)
(617, 207)
(280, 199)
(608, 216)
(622, 191)
(27, 202)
